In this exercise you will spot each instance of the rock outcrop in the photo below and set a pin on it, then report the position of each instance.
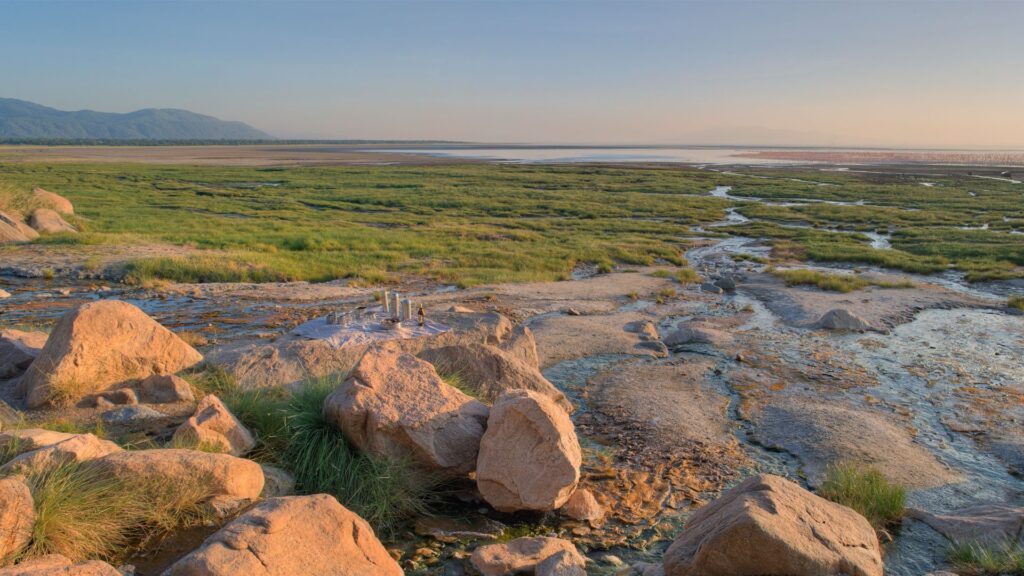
(308, 535)
(395, 405)
(17, 351)
(530, 456)
(57, 565)
(293, 359)
(215, 426)
(525, 556)
(491, 372)
(48, 221)
(13, 229)
(54, 201)
(103, 345)
(781, 529)
(216, 474)
(17, 517)
(521, 344)
(77, 448)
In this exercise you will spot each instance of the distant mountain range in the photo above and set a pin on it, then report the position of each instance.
(21, 120)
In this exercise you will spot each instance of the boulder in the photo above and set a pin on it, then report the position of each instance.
(103, 345)
(128, 415)
(530, 456)
(584, 507)
(46, 220)
(521, 344)
(277, 482)
(308, 535)
(218, 474)
(842, 320)
(214, 425)
(781, 529)
(57, 565)
(491, 371)
(985, 523)
(77, 448)
(28, 439)
(293, 359)
(54, 201)
(698, 332)
(166, 389)
(395, 405)
(564, 563)
(13, 229)
(17, 351)
(523, 555)
(645, 328)
(17, 517)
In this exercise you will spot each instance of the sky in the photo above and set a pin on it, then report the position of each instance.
(899, 73)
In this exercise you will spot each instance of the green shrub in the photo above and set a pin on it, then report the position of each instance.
(983, 559)
(866, 491)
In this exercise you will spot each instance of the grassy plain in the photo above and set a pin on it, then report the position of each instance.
(482, 223)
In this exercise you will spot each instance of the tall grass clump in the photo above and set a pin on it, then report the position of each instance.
(1016, 302)
(866, 491)
(834, 282)
(83, 512)
(294, 434)
(985, 559)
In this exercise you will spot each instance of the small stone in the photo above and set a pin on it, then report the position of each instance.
(583, 506)
(572, 312)
(4, 293)
(129, 414)
(165, 389)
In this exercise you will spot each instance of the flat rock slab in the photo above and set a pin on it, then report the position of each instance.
(821, 432)
(561, 338)
(989, 523)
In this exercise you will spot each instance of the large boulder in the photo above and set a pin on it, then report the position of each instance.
(103, 345)
(13, 229)
(524, 556)
(842, 320)
(530, 456)
(215, 426)
(491, 371)
(46, 220)
(395, 405)
(217, 474)
(57, 565)
(55, 201)
(308, 535)
(17, 351)
(292, 359)
(769, 526)
(77, 448)
(17, 517)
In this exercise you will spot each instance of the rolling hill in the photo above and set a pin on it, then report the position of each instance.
(21, 120)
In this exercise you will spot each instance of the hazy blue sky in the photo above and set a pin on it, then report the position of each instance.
(911, 72)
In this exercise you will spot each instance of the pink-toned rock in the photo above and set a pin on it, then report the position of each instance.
(214, 425)
(521, 344)
(564, 563)
(395, 405)
(218, 474)
(288, 536)
(54, 201)
(530, 456)
(523, 555)
(103, 345)
(20, 440)
(77, 448)
(57, 565)
(17, 517)
(166, 389)
(781, 529)
(46, 220)
(17, 351)
(13, 229)
(985, 523)
(491, 371)
(584, 507)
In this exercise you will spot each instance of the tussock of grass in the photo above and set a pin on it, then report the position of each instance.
(455, 379)
(866, 491)
(83, 512)
(16, 201)
(979, 559)
(294, 435)
(1016, 302)
(834, 282)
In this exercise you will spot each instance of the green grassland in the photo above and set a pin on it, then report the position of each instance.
(481, 223)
